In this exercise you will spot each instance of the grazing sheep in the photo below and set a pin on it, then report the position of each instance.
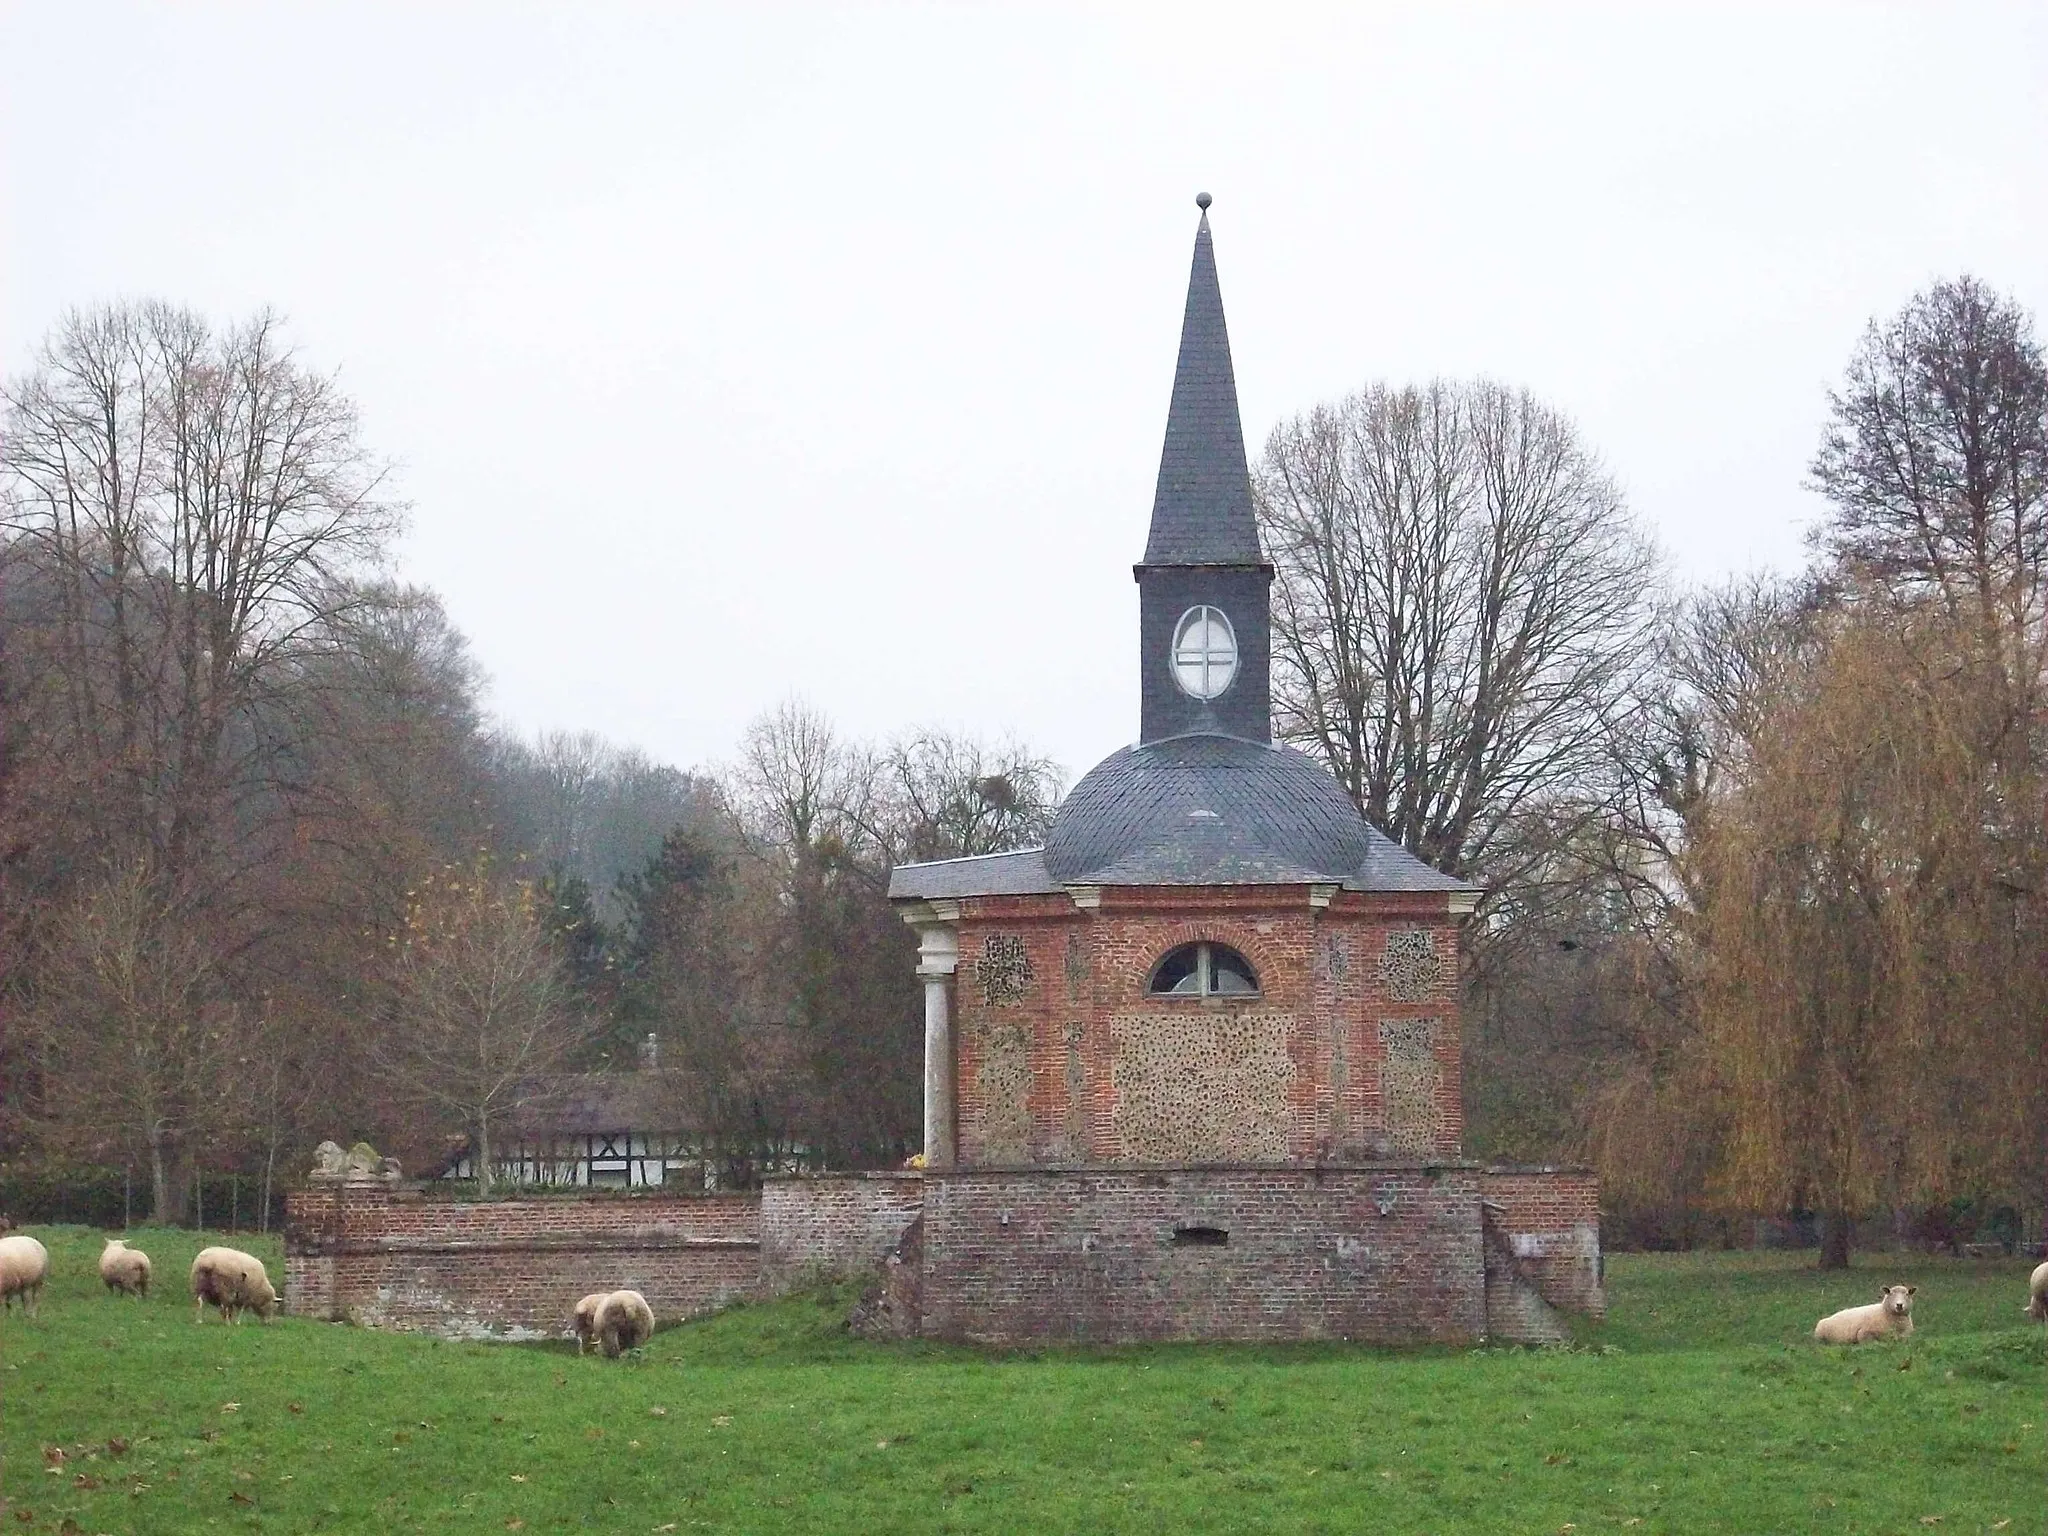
(583, 1321)
(1889, 1317)
(234, 1282)
(2037, 1295)
(125, 1270)
(24, 1266)
(624, 1321)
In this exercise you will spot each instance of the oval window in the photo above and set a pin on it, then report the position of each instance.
(1204, 970)
(1204, 652)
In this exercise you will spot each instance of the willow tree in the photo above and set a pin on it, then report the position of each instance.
(1869, 957)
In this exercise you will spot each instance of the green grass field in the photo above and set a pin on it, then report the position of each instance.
(1699, 1406)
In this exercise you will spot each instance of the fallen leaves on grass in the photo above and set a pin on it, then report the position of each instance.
(723, 1421)
(658, 1412)
(518, 1477)
(515, 1525)
(230, 1407)
(294, 1407)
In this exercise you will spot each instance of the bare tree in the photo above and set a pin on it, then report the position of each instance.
(945, 796)
(191, 503)
(1461, 613)
(1936, 460)
(483, 1027)
(585, 808)
(801, 787)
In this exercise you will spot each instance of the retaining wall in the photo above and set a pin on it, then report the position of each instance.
(844, 1224)
(1380, 1253)
(511, 1268)
(1549, 1220)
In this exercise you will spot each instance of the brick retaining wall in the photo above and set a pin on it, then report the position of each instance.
(844, 1223)
(1382, 1253)
(1391, 1252)
(1549, 1219)
(511, 1268)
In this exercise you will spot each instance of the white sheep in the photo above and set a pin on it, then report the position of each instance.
(2037, 1295)
(1889, 1317)
(125, 1270)
(583, 1321)
(234, 1282)
(624, 1321)
(24, 1266)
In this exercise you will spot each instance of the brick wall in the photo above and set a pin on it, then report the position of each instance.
(845, 1223)
(1549, 1220)
(1056, 1059)
(511, 1268)
(1227, 1253)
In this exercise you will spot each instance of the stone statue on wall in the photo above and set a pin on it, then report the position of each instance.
(360, 1164)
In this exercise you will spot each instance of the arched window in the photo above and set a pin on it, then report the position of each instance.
(1204, 970)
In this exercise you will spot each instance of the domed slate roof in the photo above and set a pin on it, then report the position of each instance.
(1219, 810)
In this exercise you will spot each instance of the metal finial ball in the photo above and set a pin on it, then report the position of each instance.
(1202, 201)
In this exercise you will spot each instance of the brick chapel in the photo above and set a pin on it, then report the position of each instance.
(1217, 1011)
(1191, 1069)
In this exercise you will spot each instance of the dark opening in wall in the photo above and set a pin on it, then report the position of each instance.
(1200, 1237)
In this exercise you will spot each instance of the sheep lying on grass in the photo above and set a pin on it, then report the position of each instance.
(24, 1266)
(125, 1270)
(234, 1282)
(583, 1321)
(624, 1321)
(2037, 1295)
(1889, 1317)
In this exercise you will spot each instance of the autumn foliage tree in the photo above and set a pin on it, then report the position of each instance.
(482, 1022)
(1853, 795)
(1870, 959)
(137, 1033)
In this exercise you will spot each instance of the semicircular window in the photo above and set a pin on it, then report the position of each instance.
(1204, 970)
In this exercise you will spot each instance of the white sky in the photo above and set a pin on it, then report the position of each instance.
(735, 353)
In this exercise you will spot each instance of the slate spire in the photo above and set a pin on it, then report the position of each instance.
(1202, 509)
(1204, 589)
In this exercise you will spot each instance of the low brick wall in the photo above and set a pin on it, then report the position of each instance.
(1549, 1220)
(512, 1268)
(1384, 1252)
(844, 1223)
(1387, 1253)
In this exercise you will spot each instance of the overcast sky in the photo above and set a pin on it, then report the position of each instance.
(729, 354)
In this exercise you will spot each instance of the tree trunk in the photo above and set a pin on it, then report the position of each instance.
(483, 1157)
(168, 1188)
(1835, 1228)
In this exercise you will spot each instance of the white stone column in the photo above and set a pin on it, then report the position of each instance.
(938, 957)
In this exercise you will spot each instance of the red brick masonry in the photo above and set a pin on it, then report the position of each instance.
(1550, 1220)
(512, 1268)
(844, 1224)
(1386, 1252)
